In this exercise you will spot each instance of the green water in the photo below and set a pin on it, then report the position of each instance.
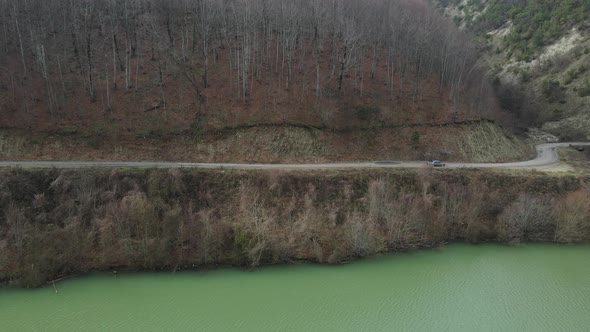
(457, 288)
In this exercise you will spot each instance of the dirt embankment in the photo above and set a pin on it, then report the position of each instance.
(478, 141)
(57, 223)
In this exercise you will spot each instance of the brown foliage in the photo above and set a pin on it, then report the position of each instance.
(57, 223)
(138, 68)
(573, 217)
(529, 218)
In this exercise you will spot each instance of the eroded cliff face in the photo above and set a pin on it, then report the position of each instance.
(56, 223)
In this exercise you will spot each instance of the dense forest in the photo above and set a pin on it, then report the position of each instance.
(200, 64)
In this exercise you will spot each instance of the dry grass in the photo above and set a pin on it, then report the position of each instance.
(12, 145)
(487, 142)
(280, 145)
(576, 161)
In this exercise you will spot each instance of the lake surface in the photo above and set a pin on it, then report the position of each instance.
(456, 288)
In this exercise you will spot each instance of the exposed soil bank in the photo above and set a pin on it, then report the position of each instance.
(55, 223)
(479, 141)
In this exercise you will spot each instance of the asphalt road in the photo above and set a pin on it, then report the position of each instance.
(547, 157)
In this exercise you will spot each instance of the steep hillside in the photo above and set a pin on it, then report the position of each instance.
(118, 72)
(539, 55)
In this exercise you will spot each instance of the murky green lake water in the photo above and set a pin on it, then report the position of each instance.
(457, 288)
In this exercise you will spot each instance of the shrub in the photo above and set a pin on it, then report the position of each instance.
(552, 90)
(557, 114)
(363, 238)
(570, 76)
(525, 76)
(141, 217)
(255, 234)
(535, 23)
(584, 90)
(16, 227)
(573, 218)
(574, 73)
(526, 219)
(416, 138)
(366, 113)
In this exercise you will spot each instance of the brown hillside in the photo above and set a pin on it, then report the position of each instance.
(117, 72)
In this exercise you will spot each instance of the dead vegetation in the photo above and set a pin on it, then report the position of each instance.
(487, 142)
(146, 68)
(55, 223)
(529, 218)
(573, 218)
(12, 145)
(477, 142)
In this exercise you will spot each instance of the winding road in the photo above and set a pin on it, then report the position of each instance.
(547, 157)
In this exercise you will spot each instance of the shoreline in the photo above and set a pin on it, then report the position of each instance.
(66, 222)
(7, 285)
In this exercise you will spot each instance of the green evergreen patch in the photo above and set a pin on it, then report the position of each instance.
(535, 23)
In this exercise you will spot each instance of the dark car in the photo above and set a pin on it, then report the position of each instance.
(438, 163)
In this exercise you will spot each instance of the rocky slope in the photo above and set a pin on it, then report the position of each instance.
(538, 55)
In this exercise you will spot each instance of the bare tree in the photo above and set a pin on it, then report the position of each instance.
(20, 40)
(316, 45)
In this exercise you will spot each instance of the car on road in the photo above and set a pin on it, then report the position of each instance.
(438, 163)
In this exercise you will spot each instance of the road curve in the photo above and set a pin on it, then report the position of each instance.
(546, 157)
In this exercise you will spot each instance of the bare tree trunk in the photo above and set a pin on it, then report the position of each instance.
(90, 68)
(374, 64)
(42, 61)
(317, 73)
(362, 78)
(246, 59)
(114, 63)
(127, 67)
(61, 76)
(137, 60)
(108, 91)
(5, 19)
(161, 83)
(238, 71)
(342, 67)
(13, 87)
(231, 69)
(76, 51)
(20, 43)
(127, 50)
